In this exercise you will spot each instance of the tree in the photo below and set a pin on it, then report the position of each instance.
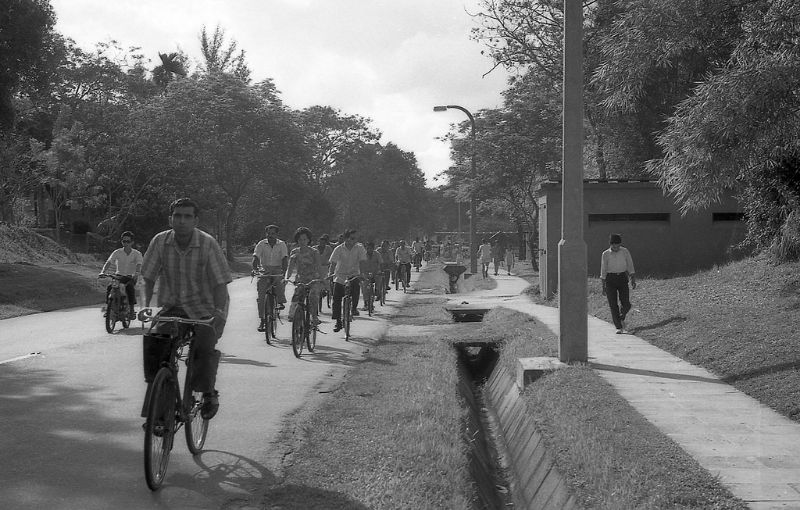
(739, 129)
(215, 138)
(25, 33)
(332, 137)
(62, 171)
(219, 58)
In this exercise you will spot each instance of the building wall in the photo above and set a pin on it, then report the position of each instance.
(662, 241)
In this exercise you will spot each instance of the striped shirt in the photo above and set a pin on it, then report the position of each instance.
(186, 278)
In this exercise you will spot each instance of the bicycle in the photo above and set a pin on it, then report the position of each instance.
(166, 410)
(374, 282)
(347, 305)
(302, 328)
(384, 284)
(271, 310)
(403, 275)
(325, 294)
(116, 303)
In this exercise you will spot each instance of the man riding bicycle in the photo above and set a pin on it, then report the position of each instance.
(271, 257)
(193, 278)
(370, 265)
(403, 258)
(127, 263)
(387, 261)
(416, 253)
(345, 263)
(308, 263)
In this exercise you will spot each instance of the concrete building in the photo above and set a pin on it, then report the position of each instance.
(662, 240)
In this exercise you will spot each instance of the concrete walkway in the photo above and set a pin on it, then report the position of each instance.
(754, 450)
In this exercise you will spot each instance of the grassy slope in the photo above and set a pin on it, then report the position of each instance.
(603, 448)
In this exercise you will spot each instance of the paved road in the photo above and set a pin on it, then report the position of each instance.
(70, 433)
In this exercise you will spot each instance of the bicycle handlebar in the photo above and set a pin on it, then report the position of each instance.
(145, 316)
(114, 276)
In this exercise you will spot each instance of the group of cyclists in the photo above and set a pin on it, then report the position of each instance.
(336, 263)
(193, 275)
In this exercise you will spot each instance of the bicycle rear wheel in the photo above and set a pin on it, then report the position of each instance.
(159, 430)
(347, 315)
(298, 331)
(195, 425)
(269, 317)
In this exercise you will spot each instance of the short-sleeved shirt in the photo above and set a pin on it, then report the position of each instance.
(124, 263)
(307, 262)
(403, 255)
(325, 254)
(271, 256)
(485, 252)
(416, 247)
(387, 258)
(347, 261)
(371, 264)
(186, 278)
(616, 262)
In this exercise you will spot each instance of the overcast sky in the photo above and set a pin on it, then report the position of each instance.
(389, 60)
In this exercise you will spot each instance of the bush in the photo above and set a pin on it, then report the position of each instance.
(81, 227)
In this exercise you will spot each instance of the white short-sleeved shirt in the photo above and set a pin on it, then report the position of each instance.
(271, 256)
(124, 263)
(347, 261)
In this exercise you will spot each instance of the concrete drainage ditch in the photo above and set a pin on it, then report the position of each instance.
(508, 458)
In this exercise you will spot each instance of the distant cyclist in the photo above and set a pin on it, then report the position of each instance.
(370, 265)
(402, 257)
(416, 253)
(387, 261)
(271, 256)
(308, 263)
(345, 263)
(127, 263)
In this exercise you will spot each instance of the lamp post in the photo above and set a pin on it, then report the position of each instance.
(473, 241)
(572, 285)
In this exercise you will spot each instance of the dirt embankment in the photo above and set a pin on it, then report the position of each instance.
(38, 275)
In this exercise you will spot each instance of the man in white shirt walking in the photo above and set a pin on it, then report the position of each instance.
(127, 263)
(616, 269)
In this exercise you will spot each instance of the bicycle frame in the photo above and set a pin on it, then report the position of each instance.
(174, 414)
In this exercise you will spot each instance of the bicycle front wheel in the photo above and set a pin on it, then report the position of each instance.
(160, 428)
(195, 425)
(311, 333)
(298, 331)
(111, 315)
(269, 317)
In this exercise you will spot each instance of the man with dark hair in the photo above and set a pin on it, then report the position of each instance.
(193, 279)
(127, 263)
(271, 255)
(616, 269)
(345, 262)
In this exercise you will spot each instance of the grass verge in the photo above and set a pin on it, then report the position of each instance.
(390, 437)
(739, 321)
(607, 452)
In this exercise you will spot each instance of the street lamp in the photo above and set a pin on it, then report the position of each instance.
(473, 241)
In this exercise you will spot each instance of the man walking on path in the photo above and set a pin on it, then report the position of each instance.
(616, 268)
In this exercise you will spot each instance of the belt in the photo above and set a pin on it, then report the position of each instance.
(617, 274)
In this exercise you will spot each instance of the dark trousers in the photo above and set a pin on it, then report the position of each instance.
(338, 294)
(130, 289)
(618, 293)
